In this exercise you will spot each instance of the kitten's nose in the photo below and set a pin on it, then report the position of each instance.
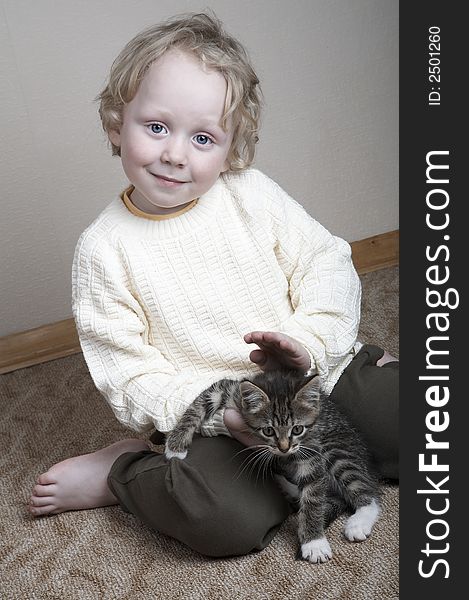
(283, 446)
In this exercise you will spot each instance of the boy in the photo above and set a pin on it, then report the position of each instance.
(199, 257)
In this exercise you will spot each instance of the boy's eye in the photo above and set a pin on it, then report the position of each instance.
(203, 140)
(297, 429)
(157, 128)
(268, 431)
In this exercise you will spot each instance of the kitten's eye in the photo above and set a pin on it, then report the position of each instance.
(268, 431)
(297, 429)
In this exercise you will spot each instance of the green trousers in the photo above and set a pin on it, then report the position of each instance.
(215, 501)
(369, 396)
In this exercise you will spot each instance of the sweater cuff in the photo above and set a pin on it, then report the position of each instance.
(215, 425)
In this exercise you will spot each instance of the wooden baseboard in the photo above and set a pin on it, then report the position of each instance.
(38, 345)
(377, 252)
(60, 339)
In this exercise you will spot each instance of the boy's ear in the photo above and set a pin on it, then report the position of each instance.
(115, 137)
(252, 397)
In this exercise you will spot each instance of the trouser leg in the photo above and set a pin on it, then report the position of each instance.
(369, 396)
(205, 501)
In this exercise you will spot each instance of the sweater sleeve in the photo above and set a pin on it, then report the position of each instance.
(324, 288)
(143, 389)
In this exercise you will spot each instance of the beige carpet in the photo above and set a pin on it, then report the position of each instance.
(52, 411)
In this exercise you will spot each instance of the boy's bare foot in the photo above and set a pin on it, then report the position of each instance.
(385, 359)
(79, 482)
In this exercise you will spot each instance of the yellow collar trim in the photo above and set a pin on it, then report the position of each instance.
(125, 197)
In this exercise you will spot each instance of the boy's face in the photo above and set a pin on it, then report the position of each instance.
(172, 145)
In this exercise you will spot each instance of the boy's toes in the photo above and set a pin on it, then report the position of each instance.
(39, 511)
(43, 490)
(46, 479)
(42, 505)
(39, 501)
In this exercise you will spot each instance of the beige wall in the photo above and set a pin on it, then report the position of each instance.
(329, 70)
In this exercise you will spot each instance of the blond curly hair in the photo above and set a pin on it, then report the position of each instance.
(201, 34)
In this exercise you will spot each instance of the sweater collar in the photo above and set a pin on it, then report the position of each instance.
(125, 196)
(199, 216)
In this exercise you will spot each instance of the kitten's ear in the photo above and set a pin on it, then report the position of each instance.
(310, 393)
(252, 397)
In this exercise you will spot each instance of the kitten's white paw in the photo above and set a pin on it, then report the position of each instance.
(316, 551)
(358, 527)
(170, 454)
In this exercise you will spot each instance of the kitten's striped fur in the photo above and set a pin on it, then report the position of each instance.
(313, 449)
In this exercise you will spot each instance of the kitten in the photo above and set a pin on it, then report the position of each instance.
(319, 458)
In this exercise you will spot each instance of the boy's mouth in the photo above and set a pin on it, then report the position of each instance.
(168, 181)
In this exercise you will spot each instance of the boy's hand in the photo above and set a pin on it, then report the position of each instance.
(277, 350)
(235, 424)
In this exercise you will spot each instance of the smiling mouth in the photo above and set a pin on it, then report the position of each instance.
(168, 181)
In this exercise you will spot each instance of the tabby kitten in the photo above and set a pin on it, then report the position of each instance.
(319, 458)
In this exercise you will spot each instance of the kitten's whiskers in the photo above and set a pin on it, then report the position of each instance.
(306, 452)
(249, 464)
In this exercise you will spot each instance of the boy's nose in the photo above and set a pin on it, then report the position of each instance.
(174, 153)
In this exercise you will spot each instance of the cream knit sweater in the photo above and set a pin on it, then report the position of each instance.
(161, 306)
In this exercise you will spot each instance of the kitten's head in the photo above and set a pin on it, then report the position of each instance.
(281, 408)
